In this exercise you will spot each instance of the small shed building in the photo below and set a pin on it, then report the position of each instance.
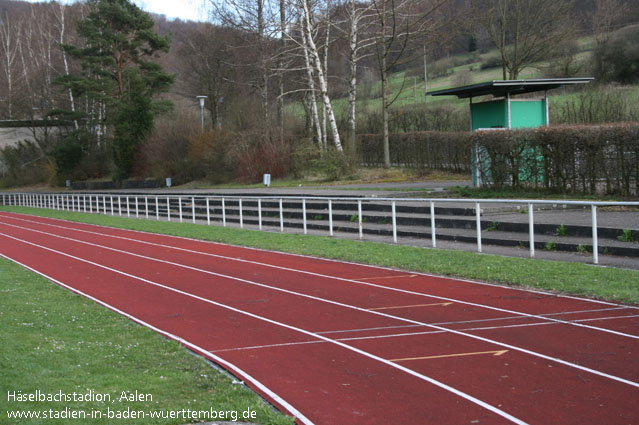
(504, 111)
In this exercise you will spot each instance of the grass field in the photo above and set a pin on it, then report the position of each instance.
(54, 340)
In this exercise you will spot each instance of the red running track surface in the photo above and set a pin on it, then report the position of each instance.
(339, 343)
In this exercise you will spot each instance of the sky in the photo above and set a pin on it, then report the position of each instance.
(193, 10)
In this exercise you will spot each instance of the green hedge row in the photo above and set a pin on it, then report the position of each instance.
(435, 150)
(567, 159)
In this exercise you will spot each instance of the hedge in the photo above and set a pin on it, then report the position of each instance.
(568, 159)
(447, 151)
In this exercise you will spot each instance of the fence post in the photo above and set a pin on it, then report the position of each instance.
(432, 224)
(193, 207)
(304, 216)
(393, 213)
(137, 211)
(259, 214)
(330, 217)
(359, 216)
(112, 213)
(223, 213)
(208, 213)
(478, 225)
(128, 205)
(104, 204)
(168, 208)
(146, 206)
(180, 208)
(120, 206)
(595, 242)
(157, 208)
(531, 229)
(281, 217)
(241, 214)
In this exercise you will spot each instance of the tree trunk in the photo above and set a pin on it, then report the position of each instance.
(311, 85)
(352, 84)
(312, 48)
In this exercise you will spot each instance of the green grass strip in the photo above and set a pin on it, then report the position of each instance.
(570, 278)
(55, 341)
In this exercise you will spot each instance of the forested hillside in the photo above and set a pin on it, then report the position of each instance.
(285, 81)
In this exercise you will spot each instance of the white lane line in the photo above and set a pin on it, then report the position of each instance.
(378, 313)
(439, 384)
(362, 338)
(461, 322)
(221, 244)
(207, 354)
(420, 294)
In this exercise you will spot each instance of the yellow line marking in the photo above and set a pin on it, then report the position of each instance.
(409, 306)
(384, 277)
(494, 353)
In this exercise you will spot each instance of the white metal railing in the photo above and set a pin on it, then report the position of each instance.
(164, 205)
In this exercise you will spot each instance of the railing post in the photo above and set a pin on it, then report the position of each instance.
(330, 217)
(223, 213)
(180, 208)
(304, 216)
(595, 242)
(259, 214)
(394, 218)
(478, 225)
(120, 206)
(359, 218)
(168, 208)
(137, 211)
(146, 206)
(281, 217)
(104, 204)
(208, 212)
(241, 214)
(157, 208)
(193, 207)
(128, 207)
(112, 211)
(432, 224)
(531, 229)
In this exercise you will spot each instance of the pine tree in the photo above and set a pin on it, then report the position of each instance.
(119, 77)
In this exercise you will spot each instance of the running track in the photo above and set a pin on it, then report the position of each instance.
(339, 343)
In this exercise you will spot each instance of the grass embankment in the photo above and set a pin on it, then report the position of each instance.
(570, 278)
(55, 341)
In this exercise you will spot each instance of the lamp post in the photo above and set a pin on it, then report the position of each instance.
(202, 98)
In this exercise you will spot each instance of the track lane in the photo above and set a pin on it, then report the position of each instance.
(626, 352)
(498, 298)
(327, 368)
(384, 348)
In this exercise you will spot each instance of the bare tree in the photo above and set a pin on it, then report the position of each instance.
(524, 31)
(398, 23)
(311, 48)
(9, 48)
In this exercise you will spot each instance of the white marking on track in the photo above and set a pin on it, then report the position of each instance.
(355, 281)
(439, 384)
(502, 344)
(230, 366)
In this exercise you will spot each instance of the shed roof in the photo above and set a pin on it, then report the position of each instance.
(499, 88)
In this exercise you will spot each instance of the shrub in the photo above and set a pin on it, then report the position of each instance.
(255, 154)
(333, 164)
(23, 164)
(587, 159)
(618, 59)
(447, 151)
